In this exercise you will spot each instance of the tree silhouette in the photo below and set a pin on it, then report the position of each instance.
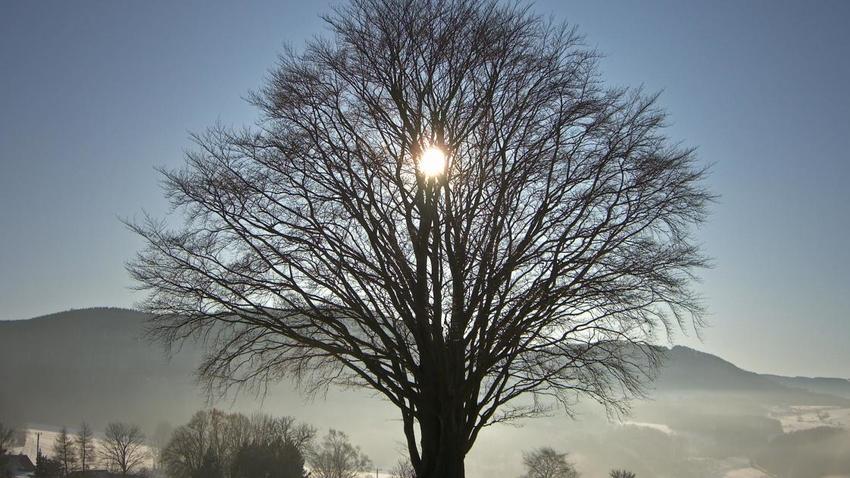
(622, 474)
(211, 466)
(547, 463)
(443, 203)
(336, 457)
(274, 459)
(124, 447)
(403, 469)
(84, 441)
(65, 451)
(232, 444)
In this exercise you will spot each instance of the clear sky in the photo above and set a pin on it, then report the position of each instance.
(94, 95)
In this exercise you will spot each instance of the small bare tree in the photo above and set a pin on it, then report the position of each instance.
(123, 447)
(622, 474)
(84, 441)
(403, 469)
(65, 451)
(547, 463)
(445, 204)
(336, 457)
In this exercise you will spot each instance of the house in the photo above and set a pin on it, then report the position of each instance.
(17, 466)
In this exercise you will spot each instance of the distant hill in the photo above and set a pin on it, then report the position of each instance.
(833, 386)
(95, 364)
(687, 370)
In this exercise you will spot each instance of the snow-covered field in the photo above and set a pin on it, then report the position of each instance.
(45, 437)
(797, 418)
(746, 473)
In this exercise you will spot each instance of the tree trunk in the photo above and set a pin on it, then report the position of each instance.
(443, 440)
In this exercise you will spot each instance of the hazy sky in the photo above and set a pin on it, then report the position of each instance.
(94, 95)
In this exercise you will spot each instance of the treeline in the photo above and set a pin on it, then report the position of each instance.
(122, 452)
(213, 444)
(216, 444)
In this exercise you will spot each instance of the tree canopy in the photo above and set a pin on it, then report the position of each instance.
(541, 260)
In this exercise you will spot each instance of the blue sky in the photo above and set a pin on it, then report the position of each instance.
(95, 94)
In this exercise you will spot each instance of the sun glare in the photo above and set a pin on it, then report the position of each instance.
(433, 162)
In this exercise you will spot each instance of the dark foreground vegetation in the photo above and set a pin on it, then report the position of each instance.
(215, 444)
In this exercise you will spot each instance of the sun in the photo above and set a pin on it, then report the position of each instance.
(433, 162)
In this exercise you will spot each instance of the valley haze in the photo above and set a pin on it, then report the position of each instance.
(704, 417)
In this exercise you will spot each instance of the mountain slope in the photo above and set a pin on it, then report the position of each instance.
(95, 365)
(839, 387)
(688, 369)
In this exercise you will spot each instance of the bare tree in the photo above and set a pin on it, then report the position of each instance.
(65, 451)
(444, 203)
(547, 463)
(622, 474)
(266, 430)
(336, 457)
(403, 469)
(123, 447)
(84, 440)
(213, 437)
(184, 454)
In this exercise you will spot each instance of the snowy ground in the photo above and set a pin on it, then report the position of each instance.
(796, 418)
(746, 473)
(44, 437)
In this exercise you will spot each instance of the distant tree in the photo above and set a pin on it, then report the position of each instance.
(184, 454)
(622, 474)
(207, 443)
(123, 448)
(211, 466)
(48, 468)
(277, 459)
(336, 457)
(403, 469)
(65, 450)
(547, 463)
(84, 441)
(212, 442)
(267, 429)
